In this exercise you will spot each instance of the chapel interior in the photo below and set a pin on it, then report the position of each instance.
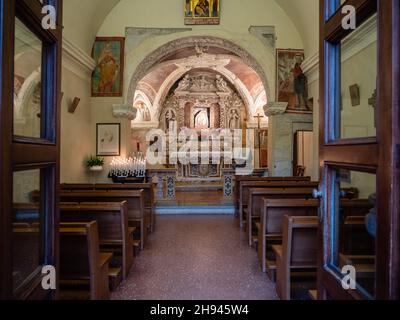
(291, 194)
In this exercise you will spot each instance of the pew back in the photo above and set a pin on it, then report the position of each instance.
(246, 186)
(135, 202)
(271, 223)
(81, 260)
(148, 193)
(112, 224)
(240, 179)
(257, 196)
(298, 250)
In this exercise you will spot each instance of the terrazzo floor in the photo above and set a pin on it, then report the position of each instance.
(196, 258)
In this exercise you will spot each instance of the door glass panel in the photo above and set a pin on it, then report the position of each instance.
(355, 226)
(27, 82)
(331, 7)
(358, 82)
(26, 226)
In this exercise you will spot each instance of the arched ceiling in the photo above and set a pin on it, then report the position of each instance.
(153, 88)
(154, 80)
(305, 16)
(82, 20)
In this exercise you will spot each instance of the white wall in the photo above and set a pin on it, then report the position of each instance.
(83, 20)
(76, 128)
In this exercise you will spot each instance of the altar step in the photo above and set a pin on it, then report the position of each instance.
(195, 210)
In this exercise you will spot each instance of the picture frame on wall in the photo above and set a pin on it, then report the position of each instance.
(108, 75)
(202, 12)
(355, 95)
(108, 139)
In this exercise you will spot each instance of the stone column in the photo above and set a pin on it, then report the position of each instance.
(223, 104)
(181, 112)
(282, 127)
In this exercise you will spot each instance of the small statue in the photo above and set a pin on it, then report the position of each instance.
(234, 119)
(184, 84)
(221, 84)
(169, 118)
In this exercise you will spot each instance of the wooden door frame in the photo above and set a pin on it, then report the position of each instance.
(381, 154)
(295, 161)
(21, 153)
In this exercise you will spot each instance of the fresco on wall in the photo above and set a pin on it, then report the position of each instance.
(292, 85)
(202, 12)
(107, 79)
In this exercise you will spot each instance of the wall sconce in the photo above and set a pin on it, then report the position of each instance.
(72, 107)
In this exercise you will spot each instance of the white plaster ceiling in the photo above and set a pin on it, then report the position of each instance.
(82, 19)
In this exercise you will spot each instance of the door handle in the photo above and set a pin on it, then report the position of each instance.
(317, 194)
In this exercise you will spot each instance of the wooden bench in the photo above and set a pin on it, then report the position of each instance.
(255, 203)
(298, 252)
(240, 179)
(112, 223)
(136, 210)
(354, 238)
(148, 188)
(81, 262)
(247, 185)
(271, 226)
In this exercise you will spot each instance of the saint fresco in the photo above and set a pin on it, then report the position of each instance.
(292, 86)
(107, 79)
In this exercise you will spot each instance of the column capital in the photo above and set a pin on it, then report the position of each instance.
(275, 108)
(124, 111)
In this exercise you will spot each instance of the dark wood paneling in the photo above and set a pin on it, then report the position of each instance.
(388, 267)
(6, 101)
(24, 153)
(333, 30)
(377, 155)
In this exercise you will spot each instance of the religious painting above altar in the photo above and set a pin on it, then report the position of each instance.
(202, 12)
(292, 84)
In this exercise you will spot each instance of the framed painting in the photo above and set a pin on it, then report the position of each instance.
(107, 79)
(291, 83)
(205, 12)
(108, 139)
(355, 95)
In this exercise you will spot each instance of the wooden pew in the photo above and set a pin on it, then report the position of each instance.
(298, 251)
(81, 262)
(271, 226)
(148, 188)
(247, 185)
(354, 238)
(255, 203)
(239, 179)
(135, 199)
(112, 223)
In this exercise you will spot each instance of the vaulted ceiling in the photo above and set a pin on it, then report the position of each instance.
(82, 20)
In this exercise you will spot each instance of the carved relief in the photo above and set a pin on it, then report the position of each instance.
(162, 52)
(221, 84)
(217, 104)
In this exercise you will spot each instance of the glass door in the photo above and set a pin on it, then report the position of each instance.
(29, 124)
(359, 150)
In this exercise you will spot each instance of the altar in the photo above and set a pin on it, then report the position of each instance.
(204, 166)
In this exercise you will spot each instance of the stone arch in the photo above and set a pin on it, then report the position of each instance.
(169, 48)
